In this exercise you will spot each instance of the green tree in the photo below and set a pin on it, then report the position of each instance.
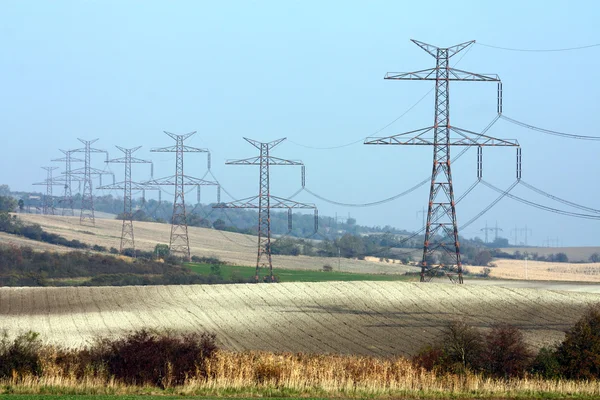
(219, 224)
(161, 250)
(579, 353)
(482, 258)
(595, 258)
(7, 204)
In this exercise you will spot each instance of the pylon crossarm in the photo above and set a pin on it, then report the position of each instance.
(256, 161)
(173, 149)
(422, 75)
(278, 202)
(431, 75)
(480, 139)
(132, 160)
(451, 51)
(250, 202)
(258, 144)
(183, 137)
(121, 185)
(92, 171)
(187, 181)
(398, 139)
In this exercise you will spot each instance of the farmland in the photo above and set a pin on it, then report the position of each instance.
(367, 318)
(543, 271)
(232, 248)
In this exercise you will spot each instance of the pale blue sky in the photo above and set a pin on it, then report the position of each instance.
(311, 71)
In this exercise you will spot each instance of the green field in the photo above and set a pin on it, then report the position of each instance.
(289, 275)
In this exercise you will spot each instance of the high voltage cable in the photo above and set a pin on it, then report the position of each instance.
(542, 207)
(567, 202)
(539, 50)
(550, 132)
(337, 203)
(375, 203)
(489, 207)
(386, 126)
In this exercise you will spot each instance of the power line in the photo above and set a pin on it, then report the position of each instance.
(542, 207)
(548, 131)
(386, 126)
(539, 50)
(567, 202)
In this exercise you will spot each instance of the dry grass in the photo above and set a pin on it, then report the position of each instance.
(543, 271)
(300, 375)
(234, 248)
(574, 253)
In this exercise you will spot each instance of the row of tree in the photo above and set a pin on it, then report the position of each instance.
(503, 353)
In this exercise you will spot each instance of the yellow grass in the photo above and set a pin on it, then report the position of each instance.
(544, 271)
(234, 248)
(271, 374)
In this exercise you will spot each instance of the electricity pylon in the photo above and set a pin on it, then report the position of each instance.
(441, 213)
(68, 179)
(48, 202)
(264, 202)
(179, 243)
(490, 229)
(87, 200)
(127, 237)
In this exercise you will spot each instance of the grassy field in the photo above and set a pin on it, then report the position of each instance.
(287, 275)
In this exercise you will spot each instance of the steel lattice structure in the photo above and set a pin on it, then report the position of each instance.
(127, 237)
(48, 203)
(87, 199)
(68, 179)
(264, 202)
(441, 213)
(179, 243)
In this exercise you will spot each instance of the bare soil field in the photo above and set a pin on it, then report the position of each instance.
(581, 254)
(370, 318)
(542, 271)
(230, 247)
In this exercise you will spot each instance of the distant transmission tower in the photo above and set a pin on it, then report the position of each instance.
(441, 214)
(264, 202)
(490, 229)
(68, 178)
(87, 199)
(127, 238)
(48, 200)
(179, 243)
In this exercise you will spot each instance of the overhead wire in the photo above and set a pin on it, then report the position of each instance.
(542, 207)
(548, 131)
(556, 198)
(539, 50)
(387, 125)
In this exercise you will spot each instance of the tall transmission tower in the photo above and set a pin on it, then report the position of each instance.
(68, 178)
(87, 199)
(48, 200)
(127, 237)
(179, 243)
(264, 202)
(441, 213)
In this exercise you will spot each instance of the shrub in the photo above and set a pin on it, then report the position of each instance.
(21, 356)
(506, 354)
(146, 357)
(546, 364)
(327, 268)
(579, 353)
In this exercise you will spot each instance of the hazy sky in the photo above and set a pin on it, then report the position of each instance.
(311, 71)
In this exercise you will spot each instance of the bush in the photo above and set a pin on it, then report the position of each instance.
(506, 355)
(579, 353)
(21, 356)
(546, 364)
(150, 358)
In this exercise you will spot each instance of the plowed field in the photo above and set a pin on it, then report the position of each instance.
(377, 318)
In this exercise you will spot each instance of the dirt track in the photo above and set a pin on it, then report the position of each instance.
(380, 318)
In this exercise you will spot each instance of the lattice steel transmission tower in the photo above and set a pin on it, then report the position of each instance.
(441, 214)
(68, 178)
(179, 243)
(264, 202)
(491, 229)
(48, 200)
(127, 237)
(87, 199)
